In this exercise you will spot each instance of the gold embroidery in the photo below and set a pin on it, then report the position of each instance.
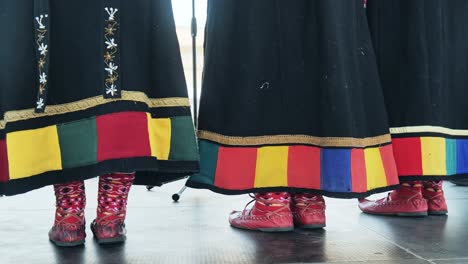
(41, 63)
(295, 139)
(108, 57)
(111, 79)
(110, 29)
(88, 103)
(41, 89)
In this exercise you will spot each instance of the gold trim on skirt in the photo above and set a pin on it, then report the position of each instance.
(295, 139)
(51, 110)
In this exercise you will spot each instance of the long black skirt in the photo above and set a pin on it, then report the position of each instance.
(292, 100)
(422, 52)
(89, 87)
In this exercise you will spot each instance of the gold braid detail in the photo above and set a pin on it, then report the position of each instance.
(295, 139)
(51, 110)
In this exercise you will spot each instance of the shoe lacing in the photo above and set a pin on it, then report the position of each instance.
(305, 202)
(282, 204)
(416, 193)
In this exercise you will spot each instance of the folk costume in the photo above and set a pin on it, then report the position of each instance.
(91, 88)
(423, 61)
(291, 104)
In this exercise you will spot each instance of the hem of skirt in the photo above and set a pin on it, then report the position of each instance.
(149, 171)
(404, 178)
(341, 195)
(95, 102)
(294, 139)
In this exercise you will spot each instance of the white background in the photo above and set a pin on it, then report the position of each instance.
(183, 11)
(183, 17)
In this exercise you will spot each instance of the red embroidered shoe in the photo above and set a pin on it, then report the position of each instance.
(270, 213)
(434, 194)
(109, 230)
(109, 226)
(406, 201)
(69, 225)
(308, 211)
(70, 232)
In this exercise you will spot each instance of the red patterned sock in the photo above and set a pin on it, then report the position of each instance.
(305, 199)
(433, 186)
(277, 198)
(70, 200)
(113, 194)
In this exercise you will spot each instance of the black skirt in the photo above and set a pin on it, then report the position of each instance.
(422, 52)
(292, 100)
(91, 87)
